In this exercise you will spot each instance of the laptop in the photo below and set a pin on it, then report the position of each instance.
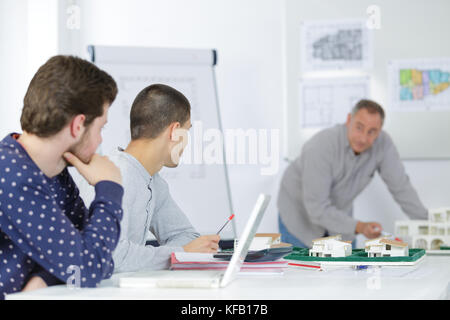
(202, 278)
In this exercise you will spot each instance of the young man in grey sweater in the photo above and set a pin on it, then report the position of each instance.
(159, 121)
(318, 188)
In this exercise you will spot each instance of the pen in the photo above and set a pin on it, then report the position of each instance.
(229, 219)
(361, 267)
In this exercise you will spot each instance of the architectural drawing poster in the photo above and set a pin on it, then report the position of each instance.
(335, 45)
(419, 84)
(325, 102)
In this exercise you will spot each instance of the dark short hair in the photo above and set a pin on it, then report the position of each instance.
(370, 106)
(62, 88)
(155, 108)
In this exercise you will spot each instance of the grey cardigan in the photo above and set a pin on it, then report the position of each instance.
(318, 188)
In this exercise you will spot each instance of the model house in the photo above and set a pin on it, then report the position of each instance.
(428, 234)
(384, 247)
(330, 247)
(263, 241)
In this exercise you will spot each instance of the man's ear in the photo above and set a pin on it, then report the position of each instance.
(349, 118)
(173, 127)
(76, 126)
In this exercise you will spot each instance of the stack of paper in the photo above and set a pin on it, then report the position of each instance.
(206, 261)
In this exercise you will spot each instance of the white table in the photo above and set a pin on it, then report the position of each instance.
(428, 280)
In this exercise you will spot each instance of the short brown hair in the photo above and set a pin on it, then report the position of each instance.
(155, 108)
(62, 88)
(370, 106)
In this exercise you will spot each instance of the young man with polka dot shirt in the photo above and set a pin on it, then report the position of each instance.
(47, 235)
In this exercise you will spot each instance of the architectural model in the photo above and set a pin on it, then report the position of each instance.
(262, 241)
(330, 247)
(428, 234)
(384, 247)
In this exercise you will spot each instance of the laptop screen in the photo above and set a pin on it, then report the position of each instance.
(246, 239)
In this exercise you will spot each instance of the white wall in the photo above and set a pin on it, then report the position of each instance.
(28, 34)
(13, 63)
(247, 36)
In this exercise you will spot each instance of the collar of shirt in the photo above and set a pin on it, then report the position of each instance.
(344, 139)
(11, 140)
(139, 167)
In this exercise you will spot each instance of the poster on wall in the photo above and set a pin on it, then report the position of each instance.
(325, 102)
(419, 84)
(335, 45)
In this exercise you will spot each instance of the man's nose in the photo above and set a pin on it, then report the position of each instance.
(364, 138)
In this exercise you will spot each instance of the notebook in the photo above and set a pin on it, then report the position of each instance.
(202, 278)
(207, 261)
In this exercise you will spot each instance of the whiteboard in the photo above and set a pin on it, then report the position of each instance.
(417, 33)
(200, 189)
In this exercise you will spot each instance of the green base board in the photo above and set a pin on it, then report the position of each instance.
(444, 248)
(358, 255)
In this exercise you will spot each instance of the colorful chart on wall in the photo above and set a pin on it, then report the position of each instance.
(419, 84)
(335, 44)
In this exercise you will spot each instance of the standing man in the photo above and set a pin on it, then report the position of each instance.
(47, 235)
(318, 188)
(160, 118)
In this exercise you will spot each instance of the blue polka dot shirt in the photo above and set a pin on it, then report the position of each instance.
(45, 228)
